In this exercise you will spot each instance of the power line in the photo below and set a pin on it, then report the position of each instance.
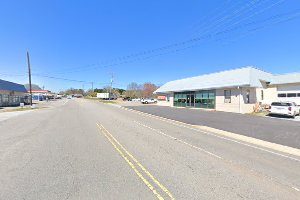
(291, 15)
(250, 31)
(183, 44)
(191, 41)
(207, 20)
(220, 20)
(257, 12)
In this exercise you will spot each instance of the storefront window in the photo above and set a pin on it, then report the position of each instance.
(16, 99)
(5, 98)
(291, 95)
(282, 95)
(227, 96)
(198, 99)
(248, 96)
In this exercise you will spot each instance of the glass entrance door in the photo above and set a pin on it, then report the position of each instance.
(190, 100)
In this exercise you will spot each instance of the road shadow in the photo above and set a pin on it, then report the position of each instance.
(280, 116)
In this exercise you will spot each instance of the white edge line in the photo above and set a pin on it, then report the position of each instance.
(179, 140)
(225, 138)
(296, 189)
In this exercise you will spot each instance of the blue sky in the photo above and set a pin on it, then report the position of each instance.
(90, 40)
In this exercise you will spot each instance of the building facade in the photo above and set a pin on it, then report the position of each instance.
(238, 90)
(42, 95)
(12, 94)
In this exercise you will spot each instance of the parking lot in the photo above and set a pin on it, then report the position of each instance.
(296, 119)
(285, 131)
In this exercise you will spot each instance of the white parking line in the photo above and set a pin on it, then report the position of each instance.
(66, 102)
(297, 118)
(181, 124)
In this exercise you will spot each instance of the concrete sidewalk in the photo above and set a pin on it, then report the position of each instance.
(284, 132)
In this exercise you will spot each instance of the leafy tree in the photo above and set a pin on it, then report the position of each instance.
(98, 90)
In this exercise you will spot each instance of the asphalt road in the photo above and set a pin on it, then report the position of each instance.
(275, 130)
(82, 149)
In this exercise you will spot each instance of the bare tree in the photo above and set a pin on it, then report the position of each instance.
(133, 90)
(148, 89)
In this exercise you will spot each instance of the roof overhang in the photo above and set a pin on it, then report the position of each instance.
(198, 89)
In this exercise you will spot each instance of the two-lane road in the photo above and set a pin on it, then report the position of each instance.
(82, 149)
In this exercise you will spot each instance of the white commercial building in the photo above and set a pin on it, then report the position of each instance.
(237, 90)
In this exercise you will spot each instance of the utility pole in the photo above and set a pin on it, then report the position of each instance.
(92, 86)
(29, 75)
(111, 84)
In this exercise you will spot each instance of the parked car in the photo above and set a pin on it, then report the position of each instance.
(136, 99)
(127, 99)
(285, 108)
(146, 101)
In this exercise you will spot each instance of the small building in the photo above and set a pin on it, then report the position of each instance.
(106, 96)
(237, 90)
(41, 95)
(12, 94)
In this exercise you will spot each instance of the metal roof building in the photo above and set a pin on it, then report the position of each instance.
(286, 78)
(248, 76)
(12, 94)
(10, 86)
(237, 90)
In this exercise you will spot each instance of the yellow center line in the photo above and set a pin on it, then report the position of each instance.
(132, 166)
(162, 187)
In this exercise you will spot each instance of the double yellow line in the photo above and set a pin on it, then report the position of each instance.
(126, 156)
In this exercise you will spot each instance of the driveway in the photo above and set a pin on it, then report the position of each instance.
(276, 130)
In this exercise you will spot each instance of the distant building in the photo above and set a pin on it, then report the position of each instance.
(39, 94)
(42, 95)
(12, 94)
(237, 90)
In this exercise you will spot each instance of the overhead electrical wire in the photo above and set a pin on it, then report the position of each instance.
(192, 42)
(252, 14)
(143, 53)
(212, 16)
(253, 30)
(221, 19)
(208, 36)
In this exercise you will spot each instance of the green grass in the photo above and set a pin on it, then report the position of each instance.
(103, 101)
(108, 101)
(91, 98)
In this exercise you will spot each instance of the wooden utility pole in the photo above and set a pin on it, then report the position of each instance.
(29, 75)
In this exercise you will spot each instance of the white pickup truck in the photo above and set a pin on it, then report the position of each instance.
(285, 108)
(146, 101)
